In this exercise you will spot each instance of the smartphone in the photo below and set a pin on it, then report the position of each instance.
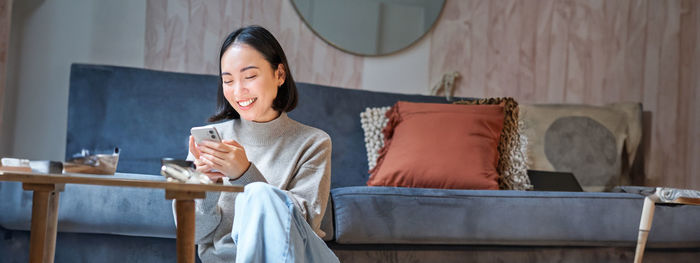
(205, 133)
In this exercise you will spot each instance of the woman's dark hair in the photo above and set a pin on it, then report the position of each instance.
(264, 42)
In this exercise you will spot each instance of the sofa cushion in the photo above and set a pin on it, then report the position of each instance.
(590, 141)
(389, 215)
(440, 146)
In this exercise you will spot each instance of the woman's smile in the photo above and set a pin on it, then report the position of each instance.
(246, 104)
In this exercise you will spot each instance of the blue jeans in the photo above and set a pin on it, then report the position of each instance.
(269, 228)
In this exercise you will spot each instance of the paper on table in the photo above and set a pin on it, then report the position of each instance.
(15, 165)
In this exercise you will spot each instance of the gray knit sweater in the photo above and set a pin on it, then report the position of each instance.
(284, 153)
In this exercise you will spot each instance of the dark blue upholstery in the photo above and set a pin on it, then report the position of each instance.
(489, 217)
(147, 114)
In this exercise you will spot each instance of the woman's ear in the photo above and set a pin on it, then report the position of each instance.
(280, 74)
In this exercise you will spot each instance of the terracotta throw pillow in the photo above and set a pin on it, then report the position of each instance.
(512, 148)
(440, 146)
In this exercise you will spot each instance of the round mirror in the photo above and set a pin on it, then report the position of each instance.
(369, 27)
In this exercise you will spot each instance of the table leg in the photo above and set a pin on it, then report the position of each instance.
(184, 212)
(52, 227)
(44, 216)
(185, 230)
(37, 237)
(644, 227)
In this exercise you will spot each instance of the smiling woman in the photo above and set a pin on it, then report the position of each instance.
(284, 165)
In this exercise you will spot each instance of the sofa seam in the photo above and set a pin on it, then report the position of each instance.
(519, 197)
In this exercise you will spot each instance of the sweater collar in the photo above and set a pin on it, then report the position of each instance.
(262, 133)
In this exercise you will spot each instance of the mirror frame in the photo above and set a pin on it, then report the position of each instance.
(437, 19)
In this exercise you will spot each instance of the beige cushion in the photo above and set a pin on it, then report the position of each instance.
(586, 140)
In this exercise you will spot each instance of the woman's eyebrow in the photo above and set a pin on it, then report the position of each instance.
(248, 67)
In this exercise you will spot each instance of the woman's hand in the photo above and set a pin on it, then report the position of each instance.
(228, 157)
(200, 165)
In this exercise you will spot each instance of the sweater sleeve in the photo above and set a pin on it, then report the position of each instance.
(309, 188)
(250, 176)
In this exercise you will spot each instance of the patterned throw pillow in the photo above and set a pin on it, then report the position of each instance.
(512, 148)
(373, 122)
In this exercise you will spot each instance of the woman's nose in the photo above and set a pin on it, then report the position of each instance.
(239, 89)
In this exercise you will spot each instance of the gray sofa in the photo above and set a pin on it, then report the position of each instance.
(147, 114)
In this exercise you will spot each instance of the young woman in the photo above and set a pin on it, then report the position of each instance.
(284, 165)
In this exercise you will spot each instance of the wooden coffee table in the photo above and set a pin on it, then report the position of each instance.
(46, 188)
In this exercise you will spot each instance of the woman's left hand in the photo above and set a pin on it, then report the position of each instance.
(228, 157)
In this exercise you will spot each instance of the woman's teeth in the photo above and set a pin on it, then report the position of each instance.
(246, 103)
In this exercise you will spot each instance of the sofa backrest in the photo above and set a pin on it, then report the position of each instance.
(337, 111)
(148, 114)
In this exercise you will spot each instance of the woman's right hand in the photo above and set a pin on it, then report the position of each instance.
(200, 165)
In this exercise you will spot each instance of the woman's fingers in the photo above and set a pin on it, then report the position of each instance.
(212, 162)
(227, 157)
(215, 146)
(201, 166)
(233, 143)
(193, 148)
(213, 158)
(214, 177)
(208, 150)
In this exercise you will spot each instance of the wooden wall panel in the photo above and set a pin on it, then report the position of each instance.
(185, 36)
(689, 107)
(694, 108)
(543, 40)
(545, 51)
(662, 62)
(586, 51)
(634, 52)
(5, 21)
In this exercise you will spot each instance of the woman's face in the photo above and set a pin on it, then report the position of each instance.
(250, 84)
